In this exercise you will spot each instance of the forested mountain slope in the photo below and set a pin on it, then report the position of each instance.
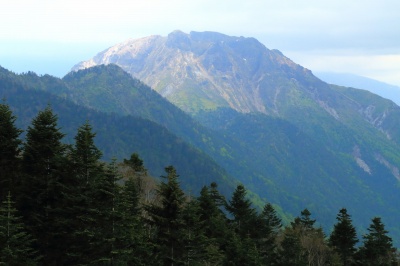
(117, 135)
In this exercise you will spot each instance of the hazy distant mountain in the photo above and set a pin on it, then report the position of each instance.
(385, 90)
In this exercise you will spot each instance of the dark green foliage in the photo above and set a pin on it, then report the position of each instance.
(268, 230)
(136, 163)
(44, 169)
(291, 253)
(82, 206)
(85, 155)
(167, 217)
(9, 151)
(244, 216)
(16, 244)
(377, 246)
(43, 144)
(304, 221)
(213, 223)
(344, 237)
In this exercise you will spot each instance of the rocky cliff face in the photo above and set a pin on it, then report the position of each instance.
(204, 70)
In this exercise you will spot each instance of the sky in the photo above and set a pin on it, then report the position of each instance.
(360, 37)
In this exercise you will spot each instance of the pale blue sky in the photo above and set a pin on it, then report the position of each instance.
(360, 36)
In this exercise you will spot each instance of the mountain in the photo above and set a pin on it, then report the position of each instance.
(291, 138)
(199, 70)
(118, 136)
(382, 89)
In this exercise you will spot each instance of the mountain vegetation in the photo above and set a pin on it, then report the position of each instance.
(68, 207)
(289, 137)
(117, 136)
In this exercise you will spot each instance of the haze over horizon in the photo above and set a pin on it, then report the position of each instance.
(358, 37)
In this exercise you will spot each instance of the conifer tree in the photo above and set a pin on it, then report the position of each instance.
(105, 202)
(9, 151)
(166, 217)
(377, 247)
(244, 216)
(344, 237)
(269, 227)
(16, 244)
(213, 223)
(195, 241)
(83, 208)
(304, 220)
(291, 251)
(44, 170)
(131, 241)
(85, 155)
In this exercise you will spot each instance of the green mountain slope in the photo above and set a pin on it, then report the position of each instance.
(292, 162)
(309, 144)
(117, 136)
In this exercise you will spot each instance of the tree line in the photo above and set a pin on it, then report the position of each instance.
(61, 205)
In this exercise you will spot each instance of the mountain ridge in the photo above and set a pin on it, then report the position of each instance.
(380, 88)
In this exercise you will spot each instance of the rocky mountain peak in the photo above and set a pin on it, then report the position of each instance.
(202, 70)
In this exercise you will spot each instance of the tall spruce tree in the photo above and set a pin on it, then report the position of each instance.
(131, 240)
(269, 228)
(213, 223)
(16, 244)
(85, 155)
(166, 217)
(83, 203)
(244, 229)
(244, 216)
(344, 238)
(304, 221)
(377, 247)
(291, 251)
(44, 164)
(9, 151)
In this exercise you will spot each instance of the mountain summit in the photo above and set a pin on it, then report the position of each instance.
(205, 70)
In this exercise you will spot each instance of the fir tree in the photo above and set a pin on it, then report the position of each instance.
(304, 220)
(131, 241)
(344, 237)
(269, 227)
(377, 248)
(291, 251)
(166, 217)
(213, 223)
(44, 165)
(16, 244)
(85, 155)
(244, 216)
(83, 205)
(9, 151)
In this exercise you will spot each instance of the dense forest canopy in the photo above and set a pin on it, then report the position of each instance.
(61, 205)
